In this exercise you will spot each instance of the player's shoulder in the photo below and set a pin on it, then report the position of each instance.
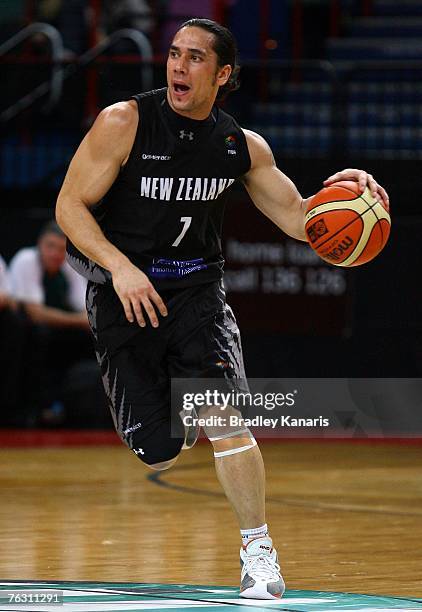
(259, 149)
(126, 113)
(114, 130)
(119, 116)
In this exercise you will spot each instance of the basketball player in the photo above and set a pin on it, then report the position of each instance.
(162, 163)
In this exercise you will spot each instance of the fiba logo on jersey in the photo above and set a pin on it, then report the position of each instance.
(231, 145)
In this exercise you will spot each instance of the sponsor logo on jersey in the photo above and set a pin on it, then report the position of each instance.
(156, 157)
(183, 188)
(173, 268)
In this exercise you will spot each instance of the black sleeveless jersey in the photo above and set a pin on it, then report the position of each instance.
(165, 209)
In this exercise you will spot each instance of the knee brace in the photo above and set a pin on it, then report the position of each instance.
(233, 442)
(228, 437)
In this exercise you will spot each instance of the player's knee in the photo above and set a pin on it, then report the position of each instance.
(163, 465)
(226, 414)
(233, 444)
(156, 452)
(224, 426)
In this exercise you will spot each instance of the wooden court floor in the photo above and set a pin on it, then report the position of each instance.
(344, 517)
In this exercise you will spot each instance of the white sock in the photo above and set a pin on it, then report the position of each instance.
(251, 534)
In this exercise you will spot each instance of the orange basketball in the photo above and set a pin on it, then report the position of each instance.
(346, 227)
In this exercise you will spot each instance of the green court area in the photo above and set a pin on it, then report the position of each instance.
(121, 597)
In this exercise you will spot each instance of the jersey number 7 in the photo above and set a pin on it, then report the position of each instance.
(186, 223)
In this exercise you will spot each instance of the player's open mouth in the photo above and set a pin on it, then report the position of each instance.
(180, 88)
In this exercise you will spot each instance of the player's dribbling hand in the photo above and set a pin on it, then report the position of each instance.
(137, 294)
(365, 180)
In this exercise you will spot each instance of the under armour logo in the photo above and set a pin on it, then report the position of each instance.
(138, 451)
(183, 134)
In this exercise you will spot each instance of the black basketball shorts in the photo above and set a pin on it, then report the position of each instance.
(198, 339)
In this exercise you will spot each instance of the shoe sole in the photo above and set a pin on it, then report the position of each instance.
(253, 594)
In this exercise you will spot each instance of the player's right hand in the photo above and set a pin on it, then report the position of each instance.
(138, 295)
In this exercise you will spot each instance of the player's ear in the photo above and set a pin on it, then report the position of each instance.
(223, 74)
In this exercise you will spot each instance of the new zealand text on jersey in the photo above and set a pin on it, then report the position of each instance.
(183, 188)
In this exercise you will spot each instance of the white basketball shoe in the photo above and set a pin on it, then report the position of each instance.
(260, 576)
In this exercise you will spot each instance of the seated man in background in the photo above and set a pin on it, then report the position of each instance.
(53, 296)
(12, 332)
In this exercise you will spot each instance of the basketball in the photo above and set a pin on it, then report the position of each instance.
(346, 227)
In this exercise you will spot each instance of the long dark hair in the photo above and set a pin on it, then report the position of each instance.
(226, 49)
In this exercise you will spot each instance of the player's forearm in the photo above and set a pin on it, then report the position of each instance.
(276, 196)
(54, 317)
(79, 225)
(296, 216)
(289, 215)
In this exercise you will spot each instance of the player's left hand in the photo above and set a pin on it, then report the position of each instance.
(365, 180)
